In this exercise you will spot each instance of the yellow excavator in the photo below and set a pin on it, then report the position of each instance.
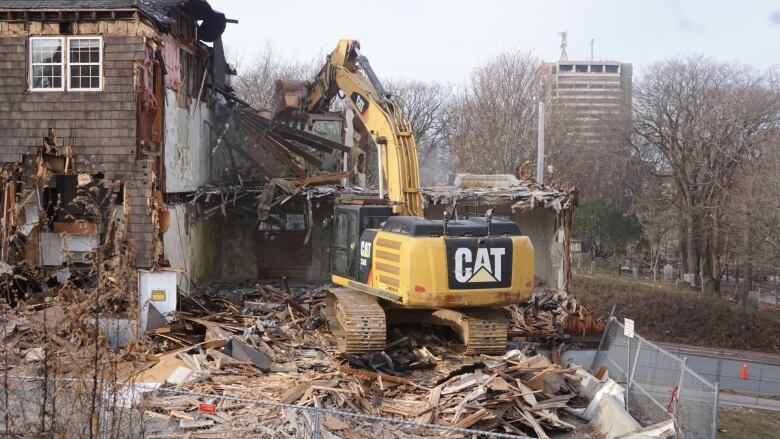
(392, 264)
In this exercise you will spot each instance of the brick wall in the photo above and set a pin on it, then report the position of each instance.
(101, 125)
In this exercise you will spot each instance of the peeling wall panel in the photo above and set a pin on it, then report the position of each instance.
(187, 145)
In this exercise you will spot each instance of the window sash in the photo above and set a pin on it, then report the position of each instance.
(52, 65)
(80, 64)
(66, 76)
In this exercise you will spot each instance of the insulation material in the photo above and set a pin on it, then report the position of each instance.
(148, 99)
(172, 57)
(57, 248)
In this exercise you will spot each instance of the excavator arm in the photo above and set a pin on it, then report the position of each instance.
(347, 71)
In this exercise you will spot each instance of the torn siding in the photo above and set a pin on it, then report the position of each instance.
(187, 145)
(116, 133)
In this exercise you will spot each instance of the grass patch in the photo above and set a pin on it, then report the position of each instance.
(668, 314)
(737, 422)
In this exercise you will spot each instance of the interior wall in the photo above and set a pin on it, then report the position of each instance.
(248, 252)
(193, 248)
(540, 226)
(187, 144)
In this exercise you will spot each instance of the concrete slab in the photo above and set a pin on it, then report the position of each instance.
(611, 419)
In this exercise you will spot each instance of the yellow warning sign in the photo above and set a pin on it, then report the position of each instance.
(158, 295)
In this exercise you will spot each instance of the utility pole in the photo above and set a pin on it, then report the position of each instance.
(540, 146)
(591, 49)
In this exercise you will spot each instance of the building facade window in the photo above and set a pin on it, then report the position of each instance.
(46, 63)
(51, 57)
(84, 63)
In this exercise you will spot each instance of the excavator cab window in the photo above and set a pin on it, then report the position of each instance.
(350, 222)
(345, 241)
(374, 222)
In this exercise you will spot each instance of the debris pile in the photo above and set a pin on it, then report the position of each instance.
(267, 343)
(272, 344)
(554, 316)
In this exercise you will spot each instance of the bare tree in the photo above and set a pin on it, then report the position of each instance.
(753, 216)
(428, 107)
(703, 118)
(256, 81)
(654, 207)
(494, 120)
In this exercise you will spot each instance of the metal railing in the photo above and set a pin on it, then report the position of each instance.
(659, 386)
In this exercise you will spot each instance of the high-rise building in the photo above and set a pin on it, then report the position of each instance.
(589, 110)
(593, 97)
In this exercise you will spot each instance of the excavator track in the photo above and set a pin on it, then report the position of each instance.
(482, 330)
(356, 321)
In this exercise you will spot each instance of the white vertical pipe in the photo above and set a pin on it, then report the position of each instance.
(540, 146)
(380, 174)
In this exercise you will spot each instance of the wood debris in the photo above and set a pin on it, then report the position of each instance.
(421, 375)
(554, 315)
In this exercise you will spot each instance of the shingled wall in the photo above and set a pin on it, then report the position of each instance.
(101, 125)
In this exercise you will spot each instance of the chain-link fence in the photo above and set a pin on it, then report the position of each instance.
(40, 407)
(659, 386)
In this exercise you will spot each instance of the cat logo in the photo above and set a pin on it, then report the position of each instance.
(360, 102)
(486, 268)
(474, 265)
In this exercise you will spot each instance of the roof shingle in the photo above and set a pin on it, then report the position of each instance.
(155, 9)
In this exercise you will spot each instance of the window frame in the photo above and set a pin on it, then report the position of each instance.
(64, 63)
(99, 38)
(63, 41)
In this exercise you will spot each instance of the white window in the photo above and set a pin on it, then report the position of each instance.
(46, 63)
(84, 63)
(51, 57)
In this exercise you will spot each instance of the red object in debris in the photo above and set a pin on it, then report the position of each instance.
(743, 374)
(207, 408)
(672, 399)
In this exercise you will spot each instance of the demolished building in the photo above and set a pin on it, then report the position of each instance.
(132, 97)
(113, 93)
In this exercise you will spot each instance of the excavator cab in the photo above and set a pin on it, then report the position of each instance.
(349, 223)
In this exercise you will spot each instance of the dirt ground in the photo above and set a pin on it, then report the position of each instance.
(735, 422)
(677, 316)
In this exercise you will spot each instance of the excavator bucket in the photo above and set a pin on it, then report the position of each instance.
(290, 99)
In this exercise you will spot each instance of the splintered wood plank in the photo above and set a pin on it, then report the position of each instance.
(433, 403)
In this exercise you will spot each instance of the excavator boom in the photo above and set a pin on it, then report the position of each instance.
(349, 71)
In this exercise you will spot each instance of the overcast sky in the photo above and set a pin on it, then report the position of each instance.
(444, 39)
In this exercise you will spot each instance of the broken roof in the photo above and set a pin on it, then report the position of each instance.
(156, 10)
(498, 189)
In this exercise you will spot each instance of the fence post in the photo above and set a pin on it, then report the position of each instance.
(603, 337)
(716, 411)
(679, 388)
(628, 368)
(633, 370)
(317, 418)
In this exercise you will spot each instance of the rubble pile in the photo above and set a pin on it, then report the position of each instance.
(273, 344)
(553, 315)
(56, 329)
(261, 344)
